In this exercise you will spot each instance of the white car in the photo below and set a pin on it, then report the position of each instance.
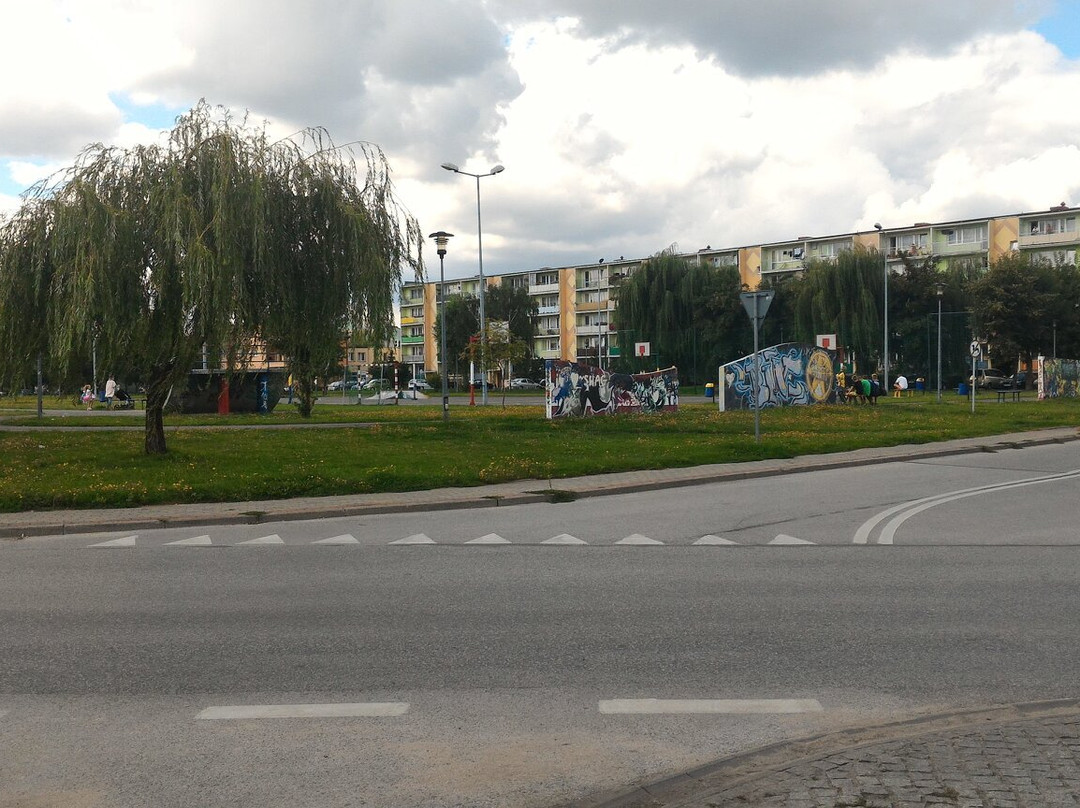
(524, 384)
(419, 384)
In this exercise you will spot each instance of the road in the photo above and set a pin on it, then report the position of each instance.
(534, 654)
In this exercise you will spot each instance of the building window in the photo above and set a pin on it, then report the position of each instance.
(966, 235)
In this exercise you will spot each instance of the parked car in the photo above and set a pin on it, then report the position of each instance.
(419, 384)
(991, 379)
(377, 385)
(1020, 379)
(524, 384)
(337, 386)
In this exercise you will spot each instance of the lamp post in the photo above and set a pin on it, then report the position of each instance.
(885, 266)
(480, 252)
(940, 294)
(442, 238)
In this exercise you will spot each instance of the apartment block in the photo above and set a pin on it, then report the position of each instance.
(576, 304)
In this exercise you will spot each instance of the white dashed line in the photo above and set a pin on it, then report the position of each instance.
(344, 710)
(637, 538)
(707, 706)
(127, 541)
(194, 541)
(272, 539)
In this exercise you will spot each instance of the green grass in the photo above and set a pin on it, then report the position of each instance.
(409, 448)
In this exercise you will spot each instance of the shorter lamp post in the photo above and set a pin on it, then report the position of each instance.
(940, 294)
(442, 238)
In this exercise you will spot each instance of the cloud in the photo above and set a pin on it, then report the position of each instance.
(787, 37)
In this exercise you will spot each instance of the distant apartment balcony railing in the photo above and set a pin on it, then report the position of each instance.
(592, 305)
(542, 288)
(1069, 237)
(966, 248)
(791, 265)
(413, 340)
(548, 310)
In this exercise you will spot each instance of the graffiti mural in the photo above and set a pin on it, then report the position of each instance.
(574, 388)
(1058, 378)
(791, 373)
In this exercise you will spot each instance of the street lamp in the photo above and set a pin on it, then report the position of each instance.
(442, 238)
(480, 252)
(885, 265)
(940, 294)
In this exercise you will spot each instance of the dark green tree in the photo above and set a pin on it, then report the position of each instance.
(155, 254)
(462, 323)
(1013, 304)
(513, 305)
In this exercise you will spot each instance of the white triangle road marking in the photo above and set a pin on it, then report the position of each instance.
(127, 541)
(785, 539)
(418, 538)
(711, 539)
(343, 539)
(490, 538)
(637, 538)
(274, 538)
(194, 541)
(563, 538)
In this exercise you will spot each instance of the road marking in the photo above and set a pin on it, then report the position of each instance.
(273, 538)
(783, 538)
(711, 539)
(344, 710)
(637, 538)
(194, 541)
(418, 538)
(707, 706)
(490, 538)
(916, 506)
(127, 541)
(344, 539)
(563, 538)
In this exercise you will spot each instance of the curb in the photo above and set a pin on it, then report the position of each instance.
(694, 787)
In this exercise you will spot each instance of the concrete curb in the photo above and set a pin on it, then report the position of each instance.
(698, 786)
(47, 523)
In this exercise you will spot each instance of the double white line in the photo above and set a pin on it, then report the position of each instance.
(907, 510)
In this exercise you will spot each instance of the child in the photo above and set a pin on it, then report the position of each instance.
(88, 397)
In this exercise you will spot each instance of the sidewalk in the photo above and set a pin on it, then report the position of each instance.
(1019, 756)
(47, 523)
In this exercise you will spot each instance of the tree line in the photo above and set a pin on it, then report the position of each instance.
(692, 317)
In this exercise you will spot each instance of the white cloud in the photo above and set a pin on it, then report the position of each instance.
(624, 126)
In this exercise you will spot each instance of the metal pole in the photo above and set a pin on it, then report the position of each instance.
(40, 390)
(757, 373)
(483, 321)
(939, 349)
(885, 385)
(442, 340)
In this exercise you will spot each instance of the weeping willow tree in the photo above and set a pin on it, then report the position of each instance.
(156, 254)
(843, 297)
(690, 313)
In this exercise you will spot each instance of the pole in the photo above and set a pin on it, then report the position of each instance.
(757, 373)
(939, 349)
(40, 391)
(885, 263)
(483, 321)
(442, 340)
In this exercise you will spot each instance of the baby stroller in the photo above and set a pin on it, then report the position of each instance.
(122, 401)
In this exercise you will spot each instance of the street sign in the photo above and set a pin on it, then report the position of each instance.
(756, 304)
(642, 349)
(976, 349)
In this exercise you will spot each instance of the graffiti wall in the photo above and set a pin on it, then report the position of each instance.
(1058, 377)
(792, 373)
(574, 388)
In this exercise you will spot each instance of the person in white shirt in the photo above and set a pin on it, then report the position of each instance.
(110, 392)
(900, 386)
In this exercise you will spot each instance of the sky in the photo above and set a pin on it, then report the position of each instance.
(625, 126)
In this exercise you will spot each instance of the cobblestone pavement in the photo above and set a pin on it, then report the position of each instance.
(1026, 756)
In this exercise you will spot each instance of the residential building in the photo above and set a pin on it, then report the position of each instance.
(575, 304)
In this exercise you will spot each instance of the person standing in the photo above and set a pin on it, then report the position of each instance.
(110, 392)
(87, 397)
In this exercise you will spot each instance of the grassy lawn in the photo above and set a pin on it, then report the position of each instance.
(408, 447)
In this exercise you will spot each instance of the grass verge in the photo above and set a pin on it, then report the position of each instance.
(409, 448)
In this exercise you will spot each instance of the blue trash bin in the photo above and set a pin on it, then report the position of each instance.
(709, 390)
(962, 389)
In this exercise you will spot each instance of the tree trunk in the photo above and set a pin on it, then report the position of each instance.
(156, 396)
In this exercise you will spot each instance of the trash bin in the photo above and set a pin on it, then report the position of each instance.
(920, 384)
(710, 389)
(962, 389)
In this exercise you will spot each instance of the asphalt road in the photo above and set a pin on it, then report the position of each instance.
(492, 667)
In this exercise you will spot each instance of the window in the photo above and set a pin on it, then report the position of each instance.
(547, 278)
(416, 331)
(972, 234)
(1049, 227)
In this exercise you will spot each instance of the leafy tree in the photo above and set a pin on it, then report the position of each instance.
(157, 253)
(503, 349)
(1013, 304)
(462, 322)
(513, 305)
(689, 312)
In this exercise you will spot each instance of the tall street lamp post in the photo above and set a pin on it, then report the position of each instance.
(480, 252)
(885, 265)
(940, 294)
(442, 238)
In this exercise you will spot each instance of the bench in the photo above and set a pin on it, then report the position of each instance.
(1001, 394)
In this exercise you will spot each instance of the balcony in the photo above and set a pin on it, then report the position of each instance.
(543, 288)
(547, 310)
(1050, 239)
(966, 248)
(413, 340)
(789, 265)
